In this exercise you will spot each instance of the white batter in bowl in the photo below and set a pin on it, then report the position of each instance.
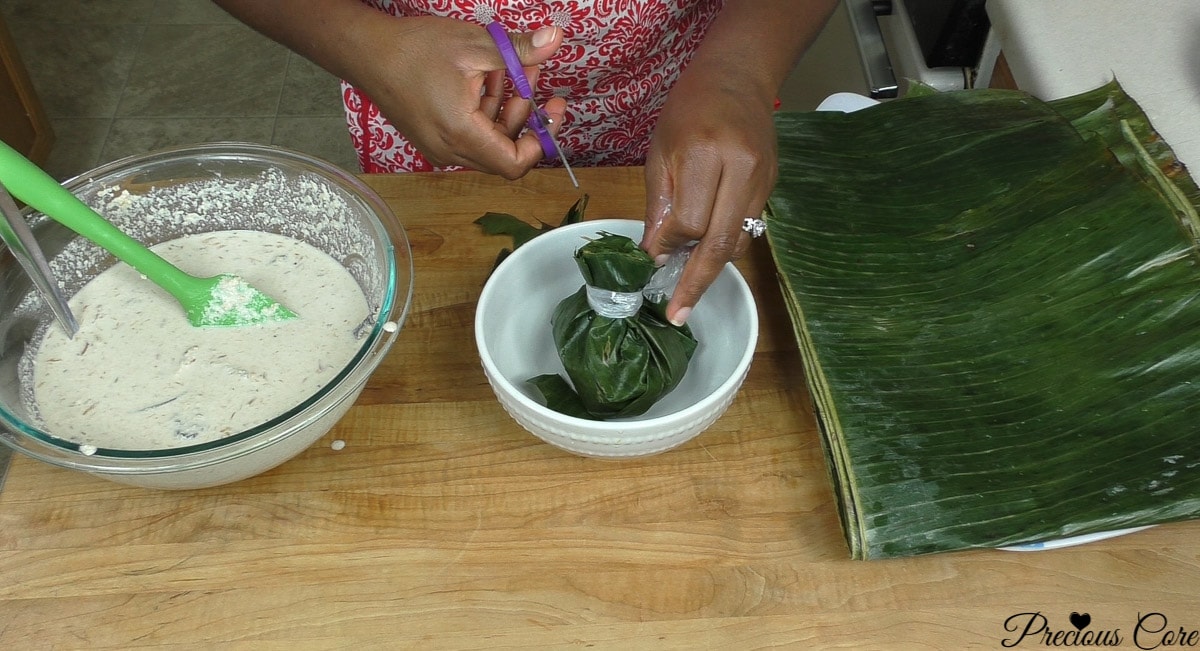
(288, 208)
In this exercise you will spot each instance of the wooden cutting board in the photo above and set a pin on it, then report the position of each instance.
(443, 525)
(23, 122)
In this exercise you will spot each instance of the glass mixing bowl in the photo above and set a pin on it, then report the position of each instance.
(197, 189)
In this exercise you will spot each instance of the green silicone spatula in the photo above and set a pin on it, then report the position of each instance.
(221, 300)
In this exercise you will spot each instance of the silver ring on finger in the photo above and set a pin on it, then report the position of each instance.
(754, 226)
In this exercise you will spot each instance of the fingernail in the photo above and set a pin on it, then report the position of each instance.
(661, 259)
(543, 36)
(681, 316)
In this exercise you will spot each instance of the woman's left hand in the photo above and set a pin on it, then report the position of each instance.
(713, 160)
(711, 164)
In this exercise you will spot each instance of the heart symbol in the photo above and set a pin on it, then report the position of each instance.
(1081, 621)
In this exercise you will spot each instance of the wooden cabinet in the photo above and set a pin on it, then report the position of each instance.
(23, 122)
(1002, 76)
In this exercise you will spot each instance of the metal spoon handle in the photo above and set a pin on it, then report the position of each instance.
(17, 235)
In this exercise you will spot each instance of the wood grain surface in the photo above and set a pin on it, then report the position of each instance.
(443, 525)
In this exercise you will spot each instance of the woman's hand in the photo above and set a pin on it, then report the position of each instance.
(712, 164)
(439, 81)
(712, 160)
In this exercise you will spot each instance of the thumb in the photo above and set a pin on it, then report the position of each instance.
(535, 47)
(658, 206)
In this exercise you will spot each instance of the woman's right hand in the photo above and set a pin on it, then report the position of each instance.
(441, 83)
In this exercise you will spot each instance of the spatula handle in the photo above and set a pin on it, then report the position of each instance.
(30, 184)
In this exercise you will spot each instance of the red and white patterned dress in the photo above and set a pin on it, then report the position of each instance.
(617, 62)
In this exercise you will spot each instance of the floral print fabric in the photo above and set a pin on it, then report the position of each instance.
(617, 62)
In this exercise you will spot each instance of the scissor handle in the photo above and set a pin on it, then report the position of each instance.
(537, 124)
(516, 72)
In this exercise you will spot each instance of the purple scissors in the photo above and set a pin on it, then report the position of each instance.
(538, 118)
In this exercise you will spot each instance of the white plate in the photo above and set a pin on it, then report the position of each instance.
(846, 102)
(1059, 543)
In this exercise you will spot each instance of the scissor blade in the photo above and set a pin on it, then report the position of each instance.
(566, 165)
(545, 120)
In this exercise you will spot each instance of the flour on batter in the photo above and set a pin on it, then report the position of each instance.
(139, 376)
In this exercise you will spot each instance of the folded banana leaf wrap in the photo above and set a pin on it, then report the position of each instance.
(997, 302)
(617, 347)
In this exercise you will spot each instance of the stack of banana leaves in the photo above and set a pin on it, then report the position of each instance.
(997, 301)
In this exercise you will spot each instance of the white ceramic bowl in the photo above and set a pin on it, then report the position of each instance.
(512, 331)
(306, 199)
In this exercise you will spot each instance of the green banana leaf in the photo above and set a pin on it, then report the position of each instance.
(499, 223)
(996, 301)
(1111, 115)
(618, 366)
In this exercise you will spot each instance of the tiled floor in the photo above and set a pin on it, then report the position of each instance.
(120, 77)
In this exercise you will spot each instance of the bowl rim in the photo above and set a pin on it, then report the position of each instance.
(616, 426)
(394, 308)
